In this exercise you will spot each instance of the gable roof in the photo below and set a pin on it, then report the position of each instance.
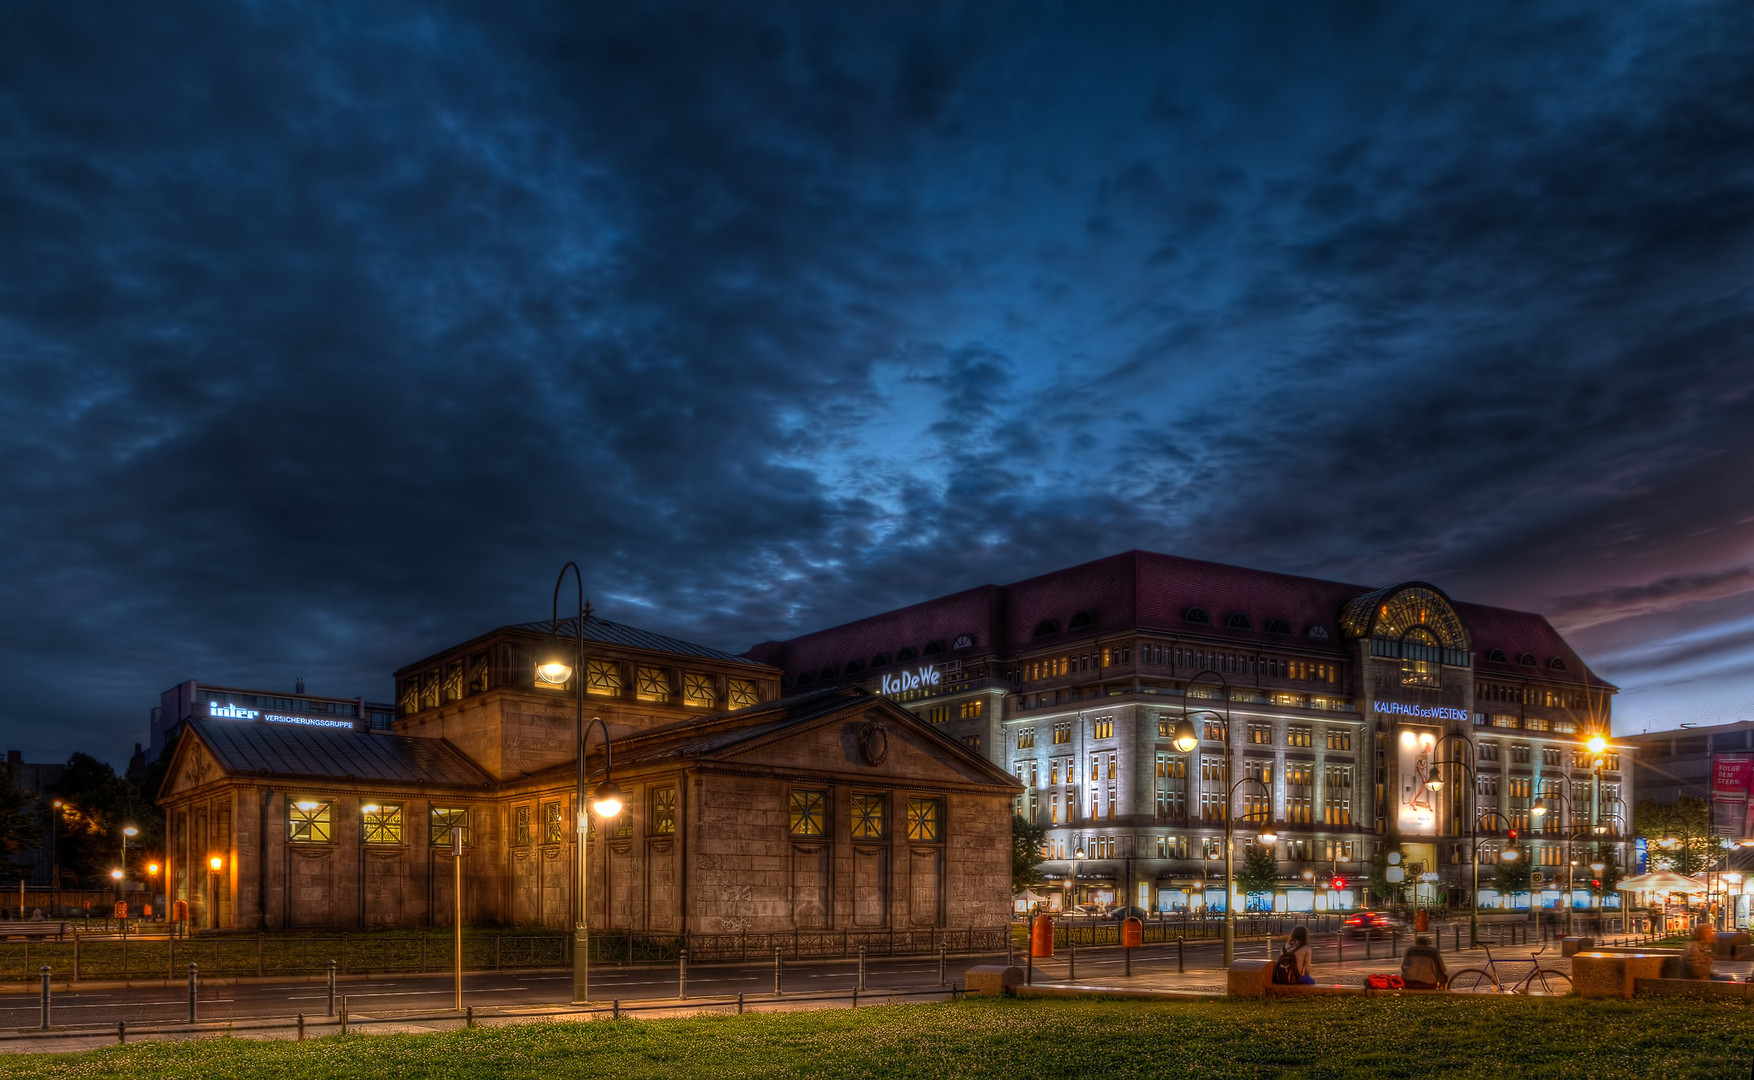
(296, 753)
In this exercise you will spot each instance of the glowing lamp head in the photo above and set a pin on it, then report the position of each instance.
(117, 874)
(1435, 783)
(1596, 868)
(1539, 809)
(216, 864)
(1668, 842)
(1078, 852)
(607, 799)
(554, 661)
(1186, 738)
(152, 868)
(1268, 836)
(129, 830)
(1509, 854)
(1597, 744)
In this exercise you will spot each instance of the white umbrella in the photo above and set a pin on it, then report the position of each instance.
(1030, 896)
(1660, 881)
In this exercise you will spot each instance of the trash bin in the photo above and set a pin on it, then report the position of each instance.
(1422, 921)
(1041, 938)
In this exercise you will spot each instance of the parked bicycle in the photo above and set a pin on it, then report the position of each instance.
(1539, 982)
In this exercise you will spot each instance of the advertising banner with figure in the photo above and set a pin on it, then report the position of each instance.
(1417, 814)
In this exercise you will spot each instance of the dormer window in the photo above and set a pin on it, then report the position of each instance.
(805, 678)
(1526, 659)
(1197, 615)
(829, 672)
(933, 648)
(906, 654)
(1495, 655)
(1081, 620)
(880, 660)
(1046, 627)
(1239, 621)
(1278, 626)
(851, 666)
(1318, 632)
(963, 641)
(1556, 664)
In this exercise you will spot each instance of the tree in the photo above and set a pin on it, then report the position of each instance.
(1513, 875)
(1027, 839)
(21, 826)
(98, 805)
(1678, 834)
(1259, 872)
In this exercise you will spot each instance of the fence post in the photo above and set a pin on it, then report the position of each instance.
(861, 985)
(1181, 954)
(343, 1014)
(423, 950)
(191, 991)
(45, 997)
(75, 956)
(943, 959)
(776, 971)
(331, 988)
(682, 976)
(261, 941)
(496, 952)
(1072, 964)
(614, 1008)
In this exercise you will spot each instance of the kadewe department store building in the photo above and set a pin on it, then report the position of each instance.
(1335, 702)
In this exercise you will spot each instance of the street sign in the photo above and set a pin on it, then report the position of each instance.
(1536, 878)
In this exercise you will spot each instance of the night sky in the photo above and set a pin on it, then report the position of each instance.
(327, 334)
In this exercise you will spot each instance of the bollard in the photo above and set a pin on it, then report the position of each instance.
(1458, 947)
(343, 1014)
(191, 991)
(776, 971)
(739, 1003)
(1369, 947)
(861, 984)
(1072, 964)
(121, 1032)
(331, 988)
(614, 1008)
(469, 1016)
(943, 959)
(1340, 947)
(682, 976)
(45, 997)
(1181, 956)
(1029, 967)
(1394, 944)
(855, 997)
(301, 1027)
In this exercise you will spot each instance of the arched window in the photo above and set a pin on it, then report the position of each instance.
(1318, 632)
(1421, 657)
(1197, 615)
(1495, 655)
(1046, 627)
(1526, 659)
(1081, 620)
(851, 666)
(880, 660)
(804, 678)
(1239, 621)
(829, 672)
(1278, 626)
(963, 641)
(933, 648)
(1556, 664)
(904, 655)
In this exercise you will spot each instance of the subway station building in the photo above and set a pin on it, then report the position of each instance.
(1339, 703)
(746, 813)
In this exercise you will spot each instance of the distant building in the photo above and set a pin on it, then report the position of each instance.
(37, 779)
(1670, 764)
(1338, 699)
(193, 700)
(836, 811)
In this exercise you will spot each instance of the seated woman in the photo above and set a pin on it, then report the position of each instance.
(1422, 967)
(1697, 957)
(1297, 950)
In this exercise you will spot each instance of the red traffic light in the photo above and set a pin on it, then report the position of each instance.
(1596, 884)
(1339, 883)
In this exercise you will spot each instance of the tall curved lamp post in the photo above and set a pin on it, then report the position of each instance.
(1540, 809)
(1471, 809)
(556, 663)
(1267, 835)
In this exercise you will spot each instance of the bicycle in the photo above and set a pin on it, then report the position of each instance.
(1539, 982)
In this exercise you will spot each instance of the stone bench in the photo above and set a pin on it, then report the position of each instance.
(1692, 988)
(991, 980)
(1605, 974)
(1734, 945)
(1254, 978)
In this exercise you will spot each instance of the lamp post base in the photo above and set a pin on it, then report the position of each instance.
(581, 966)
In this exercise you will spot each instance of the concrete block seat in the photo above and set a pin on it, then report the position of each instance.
(1604, 974)
(991, 980)
(1254, 978)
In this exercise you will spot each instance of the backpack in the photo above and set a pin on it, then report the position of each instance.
(1385, 982)
(1285, 968)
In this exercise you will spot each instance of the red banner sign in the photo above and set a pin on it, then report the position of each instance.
(1730, 778)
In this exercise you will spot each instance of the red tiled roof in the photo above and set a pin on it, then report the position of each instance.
(1144, 590)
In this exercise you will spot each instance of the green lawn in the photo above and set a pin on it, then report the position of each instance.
(1424, 1036)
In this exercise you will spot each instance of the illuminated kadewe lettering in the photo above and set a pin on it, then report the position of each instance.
(911, 680)
(1430, 712)
(307, 721)
(214, 708)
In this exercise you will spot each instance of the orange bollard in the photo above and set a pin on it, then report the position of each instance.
(1041, 936)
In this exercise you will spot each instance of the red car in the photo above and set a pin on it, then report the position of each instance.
(1373, 924)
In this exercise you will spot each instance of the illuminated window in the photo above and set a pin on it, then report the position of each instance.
(1062, 734)
(924, 816)
(1212, 805)
(1214, 730)
(1260, 734)
(603, 677)
(809, 813)
(1299, 736)
(1103, 728)
(974, 708)
(651, 684)
(697, 689)
(521, 826)
(973, 742)
(742, 693)
(941, 714)
(1339, 738)
(868, 817)
(309, 822)
(553, 823)
(663, 815)
(448, 825)
(1026, 739)
(381, 824)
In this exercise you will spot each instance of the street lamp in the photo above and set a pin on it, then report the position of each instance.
(122, 877)
(215, 864)
(555, 666)
(1470, 808)
(1267, 835)
(1077, 857)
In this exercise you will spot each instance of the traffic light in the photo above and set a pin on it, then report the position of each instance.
(1596, 884)
(1339, 882)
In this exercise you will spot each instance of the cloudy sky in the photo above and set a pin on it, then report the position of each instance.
(328, 333)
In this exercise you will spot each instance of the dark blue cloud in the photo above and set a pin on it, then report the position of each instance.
(328, 335)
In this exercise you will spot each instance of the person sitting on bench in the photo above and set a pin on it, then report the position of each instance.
(1422, 967)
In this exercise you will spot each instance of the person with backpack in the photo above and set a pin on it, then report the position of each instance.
(1422, 967)
(1292, 967)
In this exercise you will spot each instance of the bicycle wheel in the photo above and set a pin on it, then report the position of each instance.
(1473, 981)
(1548, 982)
